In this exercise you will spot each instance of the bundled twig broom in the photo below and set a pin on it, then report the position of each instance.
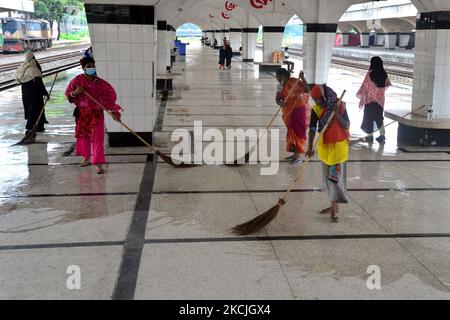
(264, 219)
(30, 136)
(353, 142)
(247, 155)
(163, 156)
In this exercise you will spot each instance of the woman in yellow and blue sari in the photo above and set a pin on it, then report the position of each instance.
(333, 146)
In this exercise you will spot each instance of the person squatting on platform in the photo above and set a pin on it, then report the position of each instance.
(89, 118)
(372, 99)
(29, 76)
(333, 147)
(290, 64)
(293, 97)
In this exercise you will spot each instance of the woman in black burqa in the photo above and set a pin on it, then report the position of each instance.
(29, 76)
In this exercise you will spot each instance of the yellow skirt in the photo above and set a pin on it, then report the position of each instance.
(334, 153)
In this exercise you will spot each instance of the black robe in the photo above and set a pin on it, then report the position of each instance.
(228, 55)
(33, 93)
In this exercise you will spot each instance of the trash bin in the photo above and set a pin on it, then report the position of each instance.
(182, 49)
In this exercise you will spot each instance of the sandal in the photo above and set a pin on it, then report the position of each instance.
(100, 170)
(85, 163)
(290, 158)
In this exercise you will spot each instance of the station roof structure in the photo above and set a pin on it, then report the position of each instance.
(16, 5)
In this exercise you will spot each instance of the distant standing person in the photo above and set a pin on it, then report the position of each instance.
(372, 99)
(289, 64)
(228, 54)
(222, 56)
(29, 76)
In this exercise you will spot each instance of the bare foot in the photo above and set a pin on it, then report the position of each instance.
(334, 211)
(325, 211)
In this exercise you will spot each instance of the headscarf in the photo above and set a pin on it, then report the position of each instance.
(326, 98)
(378, 75)
(29, 70)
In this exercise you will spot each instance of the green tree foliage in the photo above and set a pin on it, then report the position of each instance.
(55, 10)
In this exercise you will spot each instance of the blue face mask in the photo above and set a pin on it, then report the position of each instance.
(90, 71)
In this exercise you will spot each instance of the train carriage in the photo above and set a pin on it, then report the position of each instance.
(21, 35)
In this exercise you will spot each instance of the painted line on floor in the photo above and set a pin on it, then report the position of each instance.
(296, 191)
(125, 286)
(228, 239)
(301, 238)
(61, 245)
(88, 194)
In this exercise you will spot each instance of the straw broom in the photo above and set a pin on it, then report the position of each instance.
(167, 159)
(264, 219)
(31, 135)
(353, 142)
(247, 155)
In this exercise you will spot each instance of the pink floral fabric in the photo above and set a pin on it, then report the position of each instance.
(369, 92)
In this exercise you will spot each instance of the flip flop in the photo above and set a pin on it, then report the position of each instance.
(85, 164)
(100, 170)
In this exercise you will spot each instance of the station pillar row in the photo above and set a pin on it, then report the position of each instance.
(163, 47)
(365, 37)
(124, 47)
(273, 38)
(249, 36)
(318, 44)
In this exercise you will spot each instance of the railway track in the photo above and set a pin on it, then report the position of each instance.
(392, 68)
(14, 65)
(72, 61)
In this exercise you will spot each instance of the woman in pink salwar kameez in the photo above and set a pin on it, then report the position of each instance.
(372, 98)
(89, 118)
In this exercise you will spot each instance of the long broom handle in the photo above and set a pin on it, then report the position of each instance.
(276, 114)
(123, 124)
(42, 110)
(387, 125)
(303, 165)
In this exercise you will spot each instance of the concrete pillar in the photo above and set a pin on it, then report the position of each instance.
(379, 39)
(345, 39)
(218, 37)
(236, 40)
(124, 43)
(404, 39)
(318, 47)
(224, 35)
(172, 35)
(432, 63)
(208, 35)
(163, 47)
(365, 39)
(249, 36)
(390, 40)
(273, 38)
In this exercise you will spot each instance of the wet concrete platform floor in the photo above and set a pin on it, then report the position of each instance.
(54, 215)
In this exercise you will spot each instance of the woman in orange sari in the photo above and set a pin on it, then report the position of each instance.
(292, 95)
